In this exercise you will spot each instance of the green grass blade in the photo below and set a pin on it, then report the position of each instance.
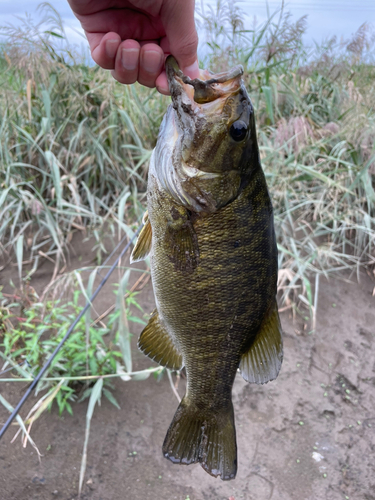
(95, 397)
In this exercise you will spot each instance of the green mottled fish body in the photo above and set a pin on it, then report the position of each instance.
(211, 241)
(214, 312)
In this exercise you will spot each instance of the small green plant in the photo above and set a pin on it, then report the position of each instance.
(91, 351)
(37, 334)
(86, 363)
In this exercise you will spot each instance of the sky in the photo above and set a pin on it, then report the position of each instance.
(325, 17)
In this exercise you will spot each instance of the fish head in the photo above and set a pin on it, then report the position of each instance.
(212, 137)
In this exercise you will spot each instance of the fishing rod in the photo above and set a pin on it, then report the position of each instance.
(71, 328)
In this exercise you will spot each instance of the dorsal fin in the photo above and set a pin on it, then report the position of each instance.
(262, 362)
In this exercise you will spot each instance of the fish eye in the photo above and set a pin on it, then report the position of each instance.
(238, 130)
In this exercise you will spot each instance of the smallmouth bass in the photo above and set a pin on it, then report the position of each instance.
(210, 236)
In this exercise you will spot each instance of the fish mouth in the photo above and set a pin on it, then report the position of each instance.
(195, 132)
(209, 88)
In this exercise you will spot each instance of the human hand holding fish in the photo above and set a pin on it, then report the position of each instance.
(133, 37)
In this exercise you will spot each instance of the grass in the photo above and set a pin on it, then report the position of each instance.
(74, 152)
(75, 144)
(87, 363)
(316, 129)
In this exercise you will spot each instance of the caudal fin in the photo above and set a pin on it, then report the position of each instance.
(195, 436)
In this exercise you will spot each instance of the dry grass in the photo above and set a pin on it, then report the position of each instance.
(75, 145)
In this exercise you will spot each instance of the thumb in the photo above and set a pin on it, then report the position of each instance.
(179, 25)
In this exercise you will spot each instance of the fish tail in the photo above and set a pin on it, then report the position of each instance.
(208, 438)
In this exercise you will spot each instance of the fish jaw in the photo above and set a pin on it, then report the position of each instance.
(205, 107)
(197, 161)
(208, 88)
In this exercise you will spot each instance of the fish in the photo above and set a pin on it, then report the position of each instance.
(209, 234)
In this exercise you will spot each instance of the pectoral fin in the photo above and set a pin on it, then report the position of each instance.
(182, 240)
(262, 362)
(156, 343)
(143, 246)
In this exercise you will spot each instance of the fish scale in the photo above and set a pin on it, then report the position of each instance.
(199, 321)
(210, 236)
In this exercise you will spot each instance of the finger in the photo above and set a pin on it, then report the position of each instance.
(161, 83)
(151, 61)
(192, 71)
(153, 41)
(164, 44)
(104, 48)
(125, 20)
(127, 62)
(178, 20)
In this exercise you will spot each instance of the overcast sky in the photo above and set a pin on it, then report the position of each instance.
(325, 17)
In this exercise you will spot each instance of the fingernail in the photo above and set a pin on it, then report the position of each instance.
(192, 70)
(111, 48)
(129, 58)
(151, 61)
(163, 90)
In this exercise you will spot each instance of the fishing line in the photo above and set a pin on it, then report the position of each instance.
(102, 266)
(71, 328)
(115, 250)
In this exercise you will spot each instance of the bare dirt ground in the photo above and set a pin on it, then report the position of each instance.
(309, 435)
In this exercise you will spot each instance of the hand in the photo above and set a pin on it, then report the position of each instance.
(133, 37)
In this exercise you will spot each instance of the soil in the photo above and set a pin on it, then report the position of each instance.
(309, 435)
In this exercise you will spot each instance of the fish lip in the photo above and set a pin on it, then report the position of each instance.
(172, 69)
(205, 90)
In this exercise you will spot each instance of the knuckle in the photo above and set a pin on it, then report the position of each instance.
(146, 83)
(188, 46)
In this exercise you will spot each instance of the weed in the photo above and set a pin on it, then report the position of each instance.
(84, 358)
(75, 144)
(74, 153)
(85, 365)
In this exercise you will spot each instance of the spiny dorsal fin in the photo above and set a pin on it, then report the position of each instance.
(156, 343)
(262, 362)
(143, 246)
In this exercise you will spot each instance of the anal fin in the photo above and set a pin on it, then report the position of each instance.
(143, 246)
(262, 362)
(157, 344)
